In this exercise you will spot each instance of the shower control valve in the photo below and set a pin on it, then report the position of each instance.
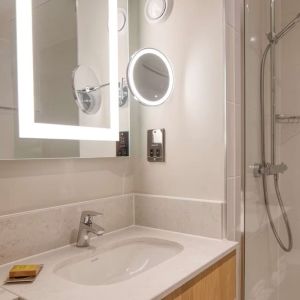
(268, 169)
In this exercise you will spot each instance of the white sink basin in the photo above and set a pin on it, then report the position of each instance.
(118, 262)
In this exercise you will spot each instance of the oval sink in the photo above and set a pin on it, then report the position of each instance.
(118, 262)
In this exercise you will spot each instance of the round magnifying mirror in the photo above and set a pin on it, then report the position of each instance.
(86, 90)
(150, 77)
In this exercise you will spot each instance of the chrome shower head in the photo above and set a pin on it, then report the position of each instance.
(287, 28)
(297, 18)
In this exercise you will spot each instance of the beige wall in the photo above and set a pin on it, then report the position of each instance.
(193, 40)
(27, 185)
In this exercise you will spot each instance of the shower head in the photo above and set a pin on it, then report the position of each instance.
(297, 18)
(287, 28)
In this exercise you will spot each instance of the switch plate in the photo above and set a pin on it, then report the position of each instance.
(122, 146)
(156, 148)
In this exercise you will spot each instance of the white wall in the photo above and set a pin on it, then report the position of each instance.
(193, 40)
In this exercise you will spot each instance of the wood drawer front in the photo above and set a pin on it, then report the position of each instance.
(216, 283)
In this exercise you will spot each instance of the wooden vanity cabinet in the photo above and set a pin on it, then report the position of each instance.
(218, 282)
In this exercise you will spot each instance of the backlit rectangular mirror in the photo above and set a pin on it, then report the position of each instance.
(61, 65)
(49, 29)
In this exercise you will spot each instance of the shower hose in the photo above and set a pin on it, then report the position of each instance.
(286, 247)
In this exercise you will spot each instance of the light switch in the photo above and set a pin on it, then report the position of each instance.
(156, 145)
(122, 146)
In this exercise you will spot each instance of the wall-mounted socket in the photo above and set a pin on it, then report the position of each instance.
(122, 146)
(156, 148)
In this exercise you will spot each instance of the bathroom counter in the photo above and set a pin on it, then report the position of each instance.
(198, 254)
(5, 295)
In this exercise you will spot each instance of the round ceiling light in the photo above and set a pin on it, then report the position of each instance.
(158, 10)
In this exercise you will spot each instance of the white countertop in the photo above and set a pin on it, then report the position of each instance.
(198, 254)
(5, 295)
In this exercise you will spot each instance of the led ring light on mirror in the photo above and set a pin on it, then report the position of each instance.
(150, 77)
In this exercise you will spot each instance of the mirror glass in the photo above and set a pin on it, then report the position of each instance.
(71, 38)
(54, 35)
(150, 77)
(40, 65)
(87, 90)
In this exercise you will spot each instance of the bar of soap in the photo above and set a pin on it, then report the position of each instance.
(18, 271)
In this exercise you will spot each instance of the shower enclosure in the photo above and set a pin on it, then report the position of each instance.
(272, 148)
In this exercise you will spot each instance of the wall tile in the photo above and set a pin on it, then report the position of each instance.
(191, 216)
(234, 13)
(34, 184)
(238, 66)
(238, 14)
(29, 233)
(230, 63)
(230, 12)
(231, 146)
(230, 204)
(238, 139)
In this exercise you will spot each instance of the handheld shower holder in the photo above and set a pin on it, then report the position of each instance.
(268, 169)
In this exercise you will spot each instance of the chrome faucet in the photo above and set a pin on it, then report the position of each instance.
(87, 226)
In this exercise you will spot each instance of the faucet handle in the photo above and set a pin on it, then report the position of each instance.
(87, 216)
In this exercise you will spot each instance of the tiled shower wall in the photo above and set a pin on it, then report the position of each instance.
(288, 91)
(234, 40)
(234, 86)
(261, 261)
(270, 272)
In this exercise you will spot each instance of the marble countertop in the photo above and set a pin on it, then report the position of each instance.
(199, 253)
